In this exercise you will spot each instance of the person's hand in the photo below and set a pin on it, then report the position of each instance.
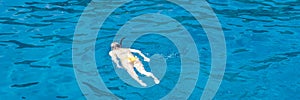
(147, 59)
(119, 66)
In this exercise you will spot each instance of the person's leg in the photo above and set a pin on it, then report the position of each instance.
(140, 68)
(132, 73)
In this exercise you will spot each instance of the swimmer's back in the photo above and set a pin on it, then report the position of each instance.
(122, 53)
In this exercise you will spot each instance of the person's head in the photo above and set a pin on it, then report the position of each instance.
(115, 45)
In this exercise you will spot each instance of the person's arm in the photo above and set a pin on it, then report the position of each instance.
(140, 53)
(114, 59)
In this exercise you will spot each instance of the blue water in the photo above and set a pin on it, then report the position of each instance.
(262, 40)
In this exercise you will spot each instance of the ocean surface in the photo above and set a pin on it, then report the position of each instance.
(262, 49)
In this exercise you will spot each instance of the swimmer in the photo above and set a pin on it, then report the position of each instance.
(128, 61)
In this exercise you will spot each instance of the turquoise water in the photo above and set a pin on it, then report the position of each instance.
(262, 39)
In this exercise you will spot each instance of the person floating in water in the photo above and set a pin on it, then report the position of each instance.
(129, 62)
